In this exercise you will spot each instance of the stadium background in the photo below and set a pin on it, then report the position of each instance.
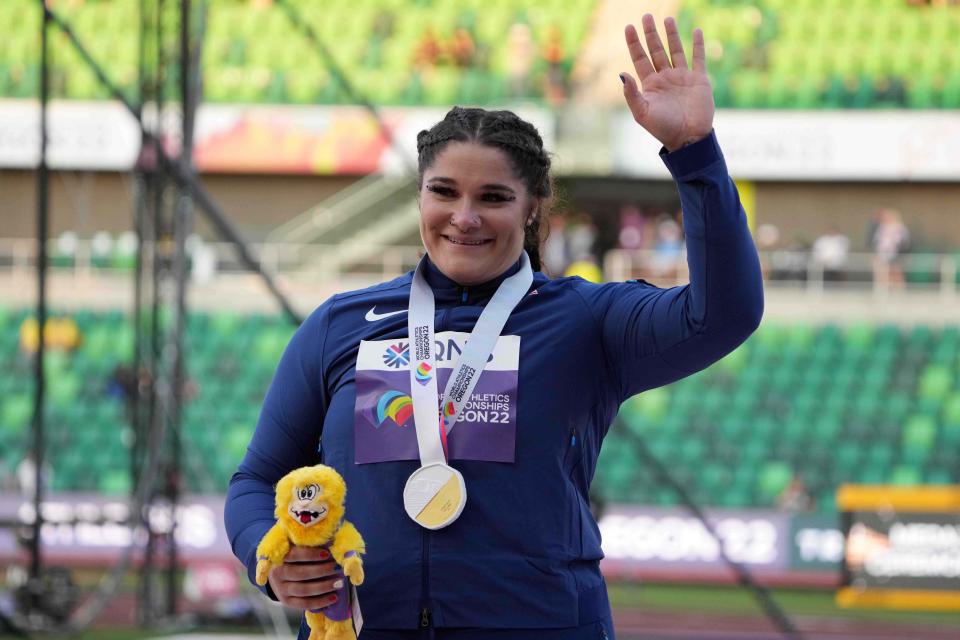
(830, 113)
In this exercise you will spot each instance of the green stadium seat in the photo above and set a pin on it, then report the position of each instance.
(16, 412)
(773, 478)
(906, 475)
(114, 482)
(919, 433)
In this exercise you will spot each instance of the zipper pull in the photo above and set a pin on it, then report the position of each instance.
(424, 618)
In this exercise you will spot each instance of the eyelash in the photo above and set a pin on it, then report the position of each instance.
(447, 192)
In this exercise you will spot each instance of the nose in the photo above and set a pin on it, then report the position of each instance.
(463, 216)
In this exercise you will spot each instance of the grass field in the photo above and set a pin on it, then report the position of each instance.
(640, 608)
(736, 600)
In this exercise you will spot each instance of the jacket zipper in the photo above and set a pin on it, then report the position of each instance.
(425, 618)
(425, 611)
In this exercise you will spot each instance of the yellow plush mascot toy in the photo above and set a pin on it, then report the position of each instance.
(310, 514)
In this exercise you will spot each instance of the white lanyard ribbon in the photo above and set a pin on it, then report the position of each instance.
(433, 426)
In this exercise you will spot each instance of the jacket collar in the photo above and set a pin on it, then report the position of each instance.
(445, 287)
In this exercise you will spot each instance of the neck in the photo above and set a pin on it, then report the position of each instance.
(437, 278)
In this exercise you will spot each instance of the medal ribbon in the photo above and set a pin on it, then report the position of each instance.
(431, 437)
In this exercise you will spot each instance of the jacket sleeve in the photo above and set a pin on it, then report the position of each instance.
(286, 437)
(653, 336)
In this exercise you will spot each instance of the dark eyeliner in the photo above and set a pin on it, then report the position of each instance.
(439, 190)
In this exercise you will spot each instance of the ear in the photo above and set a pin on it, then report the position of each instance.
(534, 211)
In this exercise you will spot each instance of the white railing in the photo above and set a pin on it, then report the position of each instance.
(798, 270)
(928, 272)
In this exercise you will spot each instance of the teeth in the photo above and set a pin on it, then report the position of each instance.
(474, 243)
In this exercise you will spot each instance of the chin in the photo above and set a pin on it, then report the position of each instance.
(468, 277)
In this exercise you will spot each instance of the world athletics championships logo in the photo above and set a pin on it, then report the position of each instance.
(397, 355)
(423, 373)
(395, 406)
(447, 413)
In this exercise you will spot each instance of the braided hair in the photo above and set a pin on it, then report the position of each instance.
(516, 137)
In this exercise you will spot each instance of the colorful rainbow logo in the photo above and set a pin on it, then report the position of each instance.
(396, 406)
(447, 412)
(423, 373)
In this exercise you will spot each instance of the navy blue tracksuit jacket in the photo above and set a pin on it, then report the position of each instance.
(525, 552)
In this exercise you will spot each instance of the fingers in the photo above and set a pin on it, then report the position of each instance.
(699, 54)
(640, 60)
(635, 101)
(654, 45)
(306, 585)
(299, 571)
(658, 59)
(310, 604)
(307, 554)
(676, 47)
(313, 588)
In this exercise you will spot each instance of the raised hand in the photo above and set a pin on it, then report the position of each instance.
(676, 104)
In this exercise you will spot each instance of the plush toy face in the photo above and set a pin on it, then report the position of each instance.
(310, 503)
(307, 506)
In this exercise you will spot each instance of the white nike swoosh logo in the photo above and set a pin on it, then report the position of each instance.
(373, 316)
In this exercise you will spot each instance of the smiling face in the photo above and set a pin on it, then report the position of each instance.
(473, 209)
(306, 507)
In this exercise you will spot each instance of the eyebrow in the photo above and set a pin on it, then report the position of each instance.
(495, 186)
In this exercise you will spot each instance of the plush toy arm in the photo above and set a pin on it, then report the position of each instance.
(271, 551)
(346, 549)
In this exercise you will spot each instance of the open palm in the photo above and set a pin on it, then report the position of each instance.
(676, 101)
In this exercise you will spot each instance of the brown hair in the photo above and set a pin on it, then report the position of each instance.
(505, 130)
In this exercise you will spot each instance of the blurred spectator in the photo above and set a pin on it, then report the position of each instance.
(791, 261)
(520, 52)
(630, 236)
(101, 247)
(794, 497)
(122, 384)
(586, 267)
(830, 252)
(203, 260)
(556, 256)
(581, 236)
(462, 49)
(889, 239)
(889, 92)
(668, 249)
(768, 241)
(383, 24)
(554, 90)
(27, 476)
(427, 51)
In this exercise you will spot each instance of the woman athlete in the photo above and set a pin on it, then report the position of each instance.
(477, 520)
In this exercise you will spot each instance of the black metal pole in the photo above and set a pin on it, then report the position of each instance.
(215, 215)
(183, 224)
(155, 416)
(43, 219)
(761, 594)
(139, 206)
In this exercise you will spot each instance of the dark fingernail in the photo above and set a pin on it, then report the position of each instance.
(623, 78)
(324, 555)
(333, 599)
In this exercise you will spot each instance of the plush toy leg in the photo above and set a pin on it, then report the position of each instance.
(317, 623)
(342, 630)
